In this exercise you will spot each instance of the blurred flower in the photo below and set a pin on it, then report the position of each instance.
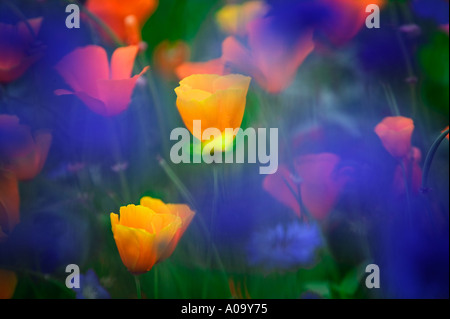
(215, 66)
(271, 61)
(90, 287)
(167, 56)
(338, 20)
(145, 236)
(218, 101)
(105, 89)
(445, 28)
(17, 53)
(411, 164)
(8, 283)
(9, 203)
(348, 17)
(22, 153)
(285, 248)
(395, 133)
(116, 14)
(319, 179)
(233, 18)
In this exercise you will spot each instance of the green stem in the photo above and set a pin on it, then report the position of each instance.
(138, 286)
(429, 160)
(177, 182)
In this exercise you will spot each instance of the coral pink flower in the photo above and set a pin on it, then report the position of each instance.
(395, 133)
(105, 89)
(319, 180)
(16, 42)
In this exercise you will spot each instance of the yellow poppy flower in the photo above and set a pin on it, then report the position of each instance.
(146, 235)
(217, 101)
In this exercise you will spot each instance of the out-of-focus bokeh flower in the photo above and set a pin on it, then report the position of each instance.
(90, 287)
(395, 133)
(123, 16)
(337, 20)
(215, 66)
(167, 56)
(217, 101)
(319, 178)
(9, 203)
(285, 248)
(17, 53)
(105, 88)
(8, 283)
(348, 17)
(271, 61)
(146, 236)
(233, 18)
(22, 153)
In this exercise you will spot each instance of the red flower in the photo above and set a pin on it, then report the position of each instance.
(395, 133)
(105, 89)
(23, 153)
(319, 180)
(16, 43)
(125, 18)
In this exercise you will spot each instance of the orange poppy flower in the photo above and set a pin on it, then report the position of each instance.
(116, 14)
(349, 16)
(105, 89)
(24, 154)
(215, 66)
(9, 202)
(145, 236)
(268, 59)
(395, 133)
(167, 56)
(16, 43)
(217, 101)
(8, 283)
(319, 180)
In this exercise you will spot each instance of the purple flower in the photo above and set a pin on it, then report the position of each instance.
(90, 287)
(285, 248)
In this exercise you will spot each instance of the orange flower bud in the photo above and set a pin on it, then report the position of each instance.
(395, 133)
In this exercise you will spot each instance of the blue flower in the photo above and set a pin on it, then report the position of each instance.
(90, 287)
(285, 247)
